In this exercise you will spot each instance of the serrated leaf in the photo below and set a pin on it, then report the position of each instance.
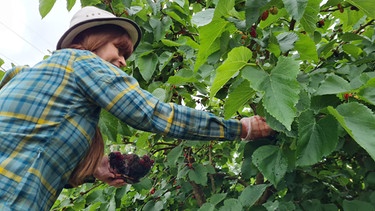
(333, 84)
(271, 162)
(237, 98)
(279, 86)
(315, 138)
(295, 8)
(251, 194)
(359, 123)
(198, 174)
(366, 92)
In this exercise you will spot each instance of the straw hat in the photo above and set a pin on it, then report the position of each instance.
(91, 16)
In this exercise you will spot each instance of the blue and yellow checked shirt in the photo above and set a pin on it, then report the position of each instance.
(49, 112)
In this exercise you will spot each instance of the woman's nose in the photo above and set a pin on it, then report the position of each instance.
(122, 62)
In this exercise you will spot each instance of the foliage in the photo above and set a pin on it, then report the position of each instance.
(306, 65)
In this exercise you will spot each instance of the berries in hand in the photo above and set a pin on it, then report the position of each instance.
(130, 166)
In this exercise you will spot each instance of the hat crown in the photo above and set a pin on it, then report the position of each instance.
(89, 13)
(91, 16)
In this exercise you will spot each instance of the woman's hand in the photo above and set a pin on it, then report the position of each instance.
(255, 127)
(104, 173)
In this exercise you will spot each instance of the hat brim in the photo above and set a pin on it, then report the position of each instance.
(130, 26)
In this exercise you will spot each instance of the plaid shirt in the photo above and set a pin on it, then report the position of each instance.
(49, 112)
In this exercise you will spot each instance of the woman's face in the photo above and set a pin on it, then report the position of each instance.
(112, 54)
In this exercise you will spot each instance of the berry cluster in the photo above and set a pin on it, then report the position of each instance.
(130, 166)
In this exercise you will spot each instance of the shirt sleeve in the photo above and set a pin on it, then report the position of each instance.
(120, 94)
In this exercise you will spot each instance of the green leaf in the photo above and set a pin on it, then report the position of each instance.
(279, 86)
(306, 48)
(352, 50)
(108, 125)
(70, 4)
(217, 198)
(237, 98)
(231, 205)
(198, 174)
(161, 94)
(173, 155)
(271, 162)
(251, 194)
(367, 6)
(160, 27)
(207, 207)
(333, 84)
(209, 42)
(164, 59)
(367, 93)
(223, 8)
(203, 17)
(295, 8)
(357, 205)
(237, 59)
(1, 74)
(89, 2)
(253, 11)
(359, 123)
(310, 17)
(315, 138)
(112, 204)
(45, 7)
(147, 65)
(286, 40)
(153, 206)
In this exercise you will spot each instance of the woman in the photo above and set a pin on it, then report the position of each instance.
(49, 113)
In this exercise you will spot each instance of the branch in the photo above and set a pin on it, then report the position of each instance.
(211, 162)
(364, 26)
(198, 194)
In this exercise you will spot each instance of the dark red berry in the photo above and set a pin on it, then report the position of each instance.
(253, 32)
(340, 8)
(320, 23)
(264, 15)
